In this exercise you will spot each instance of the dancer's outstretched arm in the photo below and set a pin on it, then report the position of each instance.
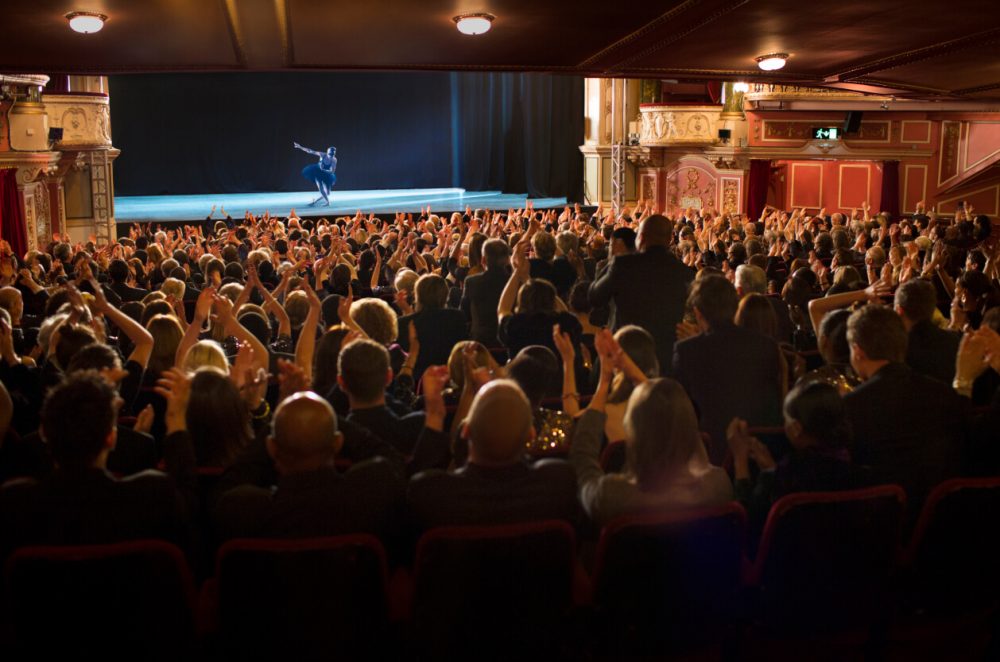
(307, 150)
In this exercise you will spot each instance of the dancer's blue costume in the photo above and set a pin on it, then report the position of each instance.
(322, 173)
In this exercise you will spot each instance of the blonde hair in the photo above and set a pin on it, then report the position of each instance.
(167, 334)
(173, 286)
(376, 319)
(205, 353)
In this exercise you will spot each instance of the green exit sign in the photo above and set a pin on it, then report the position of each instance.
(826, 133)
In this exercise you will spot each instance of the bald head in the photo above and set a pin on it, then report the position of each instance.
(304, 434)
(499, 423)
(655, 230)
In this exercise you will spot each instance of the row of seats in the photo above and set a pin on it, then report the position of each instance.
(829, 565)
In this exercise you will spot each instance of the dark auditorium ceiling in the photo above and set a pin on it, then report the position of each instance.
(930, 49)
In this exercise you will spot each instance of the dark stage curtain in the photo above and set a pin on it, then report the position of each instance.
(233, 132)
(11, 214)
(759, 180)
(890, 188)
(519, 133)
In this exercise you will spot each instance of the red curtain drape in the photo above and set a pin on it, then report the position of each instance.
(11, 214)
(759, 180)
(890, 188)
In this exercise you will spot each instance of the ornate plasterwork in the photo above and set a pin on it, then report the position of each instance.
(85, 120)
(679, 125)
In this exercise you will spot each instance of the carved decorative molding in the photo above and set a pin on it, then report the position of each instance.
(85, 120)
(679, 125)
(774, 92)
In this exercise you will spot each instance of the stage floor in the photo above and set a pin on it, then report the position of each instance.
(130, 209)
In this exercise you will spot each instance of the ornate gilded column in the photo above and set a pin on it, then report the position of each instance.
(84, 116)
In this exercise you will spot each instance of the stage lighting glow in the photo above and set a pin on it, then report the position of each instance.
(772, 61)
(86, 22)
(473, 24)
(741, 87)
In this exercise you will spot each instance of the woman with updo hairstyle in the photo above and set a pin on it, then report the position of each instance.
(218, 418)
(819, 433)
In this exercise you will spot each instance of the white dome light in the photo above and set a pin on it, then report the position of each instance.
(474, 24)
(772, 62)
(741, 87)
(86, 22)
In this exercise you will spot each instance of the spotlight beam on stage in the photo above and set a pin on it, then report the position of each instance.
(130, 209)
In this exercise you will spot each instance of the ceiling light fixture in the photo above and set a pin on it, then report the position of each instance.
(772, 61)
(474, 24)
(741, 87)
(87, 22)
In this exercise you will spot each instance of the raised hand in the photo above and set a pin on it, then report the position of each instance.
(563, 343)
(175, 387)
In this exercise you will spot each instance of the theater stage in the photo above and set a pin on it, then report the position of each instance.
(173, 208)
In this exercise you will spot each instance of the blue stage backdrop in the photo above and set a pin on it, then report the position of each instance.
(233, 132)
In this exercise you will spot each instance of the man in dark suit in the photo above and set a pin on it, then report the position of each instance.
(907, 427)
(647, 289)
(80, 502)
(364, 374)
(930, 350)
(311, 497)
(728, 371)
(496, 486)
(482, 293)
(119, 273)
(438, 328)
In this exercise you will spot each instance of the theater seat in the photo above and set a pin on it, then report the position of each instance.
(299, 599)
(101, 601)
(825, 559)
(493, 591)
(952, 580)
(666, 583)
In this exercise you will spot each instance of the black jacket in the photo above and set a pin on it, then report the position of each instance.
(730, 372)
(479, 303)
(648, 289)
(910, 429)
(931, 351)
(494, 495)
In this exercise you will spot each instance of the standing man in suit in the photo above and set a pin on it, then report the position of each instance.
(119, 274)
(482, 293)
(648, 288)
(728, 371)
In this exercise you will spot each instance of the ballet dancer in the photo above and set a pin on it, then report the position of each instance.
(321, 173)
